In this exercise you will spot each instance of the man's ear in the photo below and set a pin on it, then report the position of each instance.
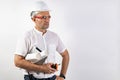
(33, 19)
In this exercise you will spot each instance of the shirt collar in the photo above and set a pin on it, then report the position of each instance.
(39, 32)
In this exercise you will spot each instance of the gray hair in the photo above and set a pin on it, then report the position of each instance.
(33, 13)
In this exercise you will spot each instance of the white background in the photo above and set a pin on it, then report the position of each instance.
(88, 28)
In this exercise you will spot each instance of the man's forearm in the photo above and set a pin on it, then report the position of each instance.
(22, 63)
(65, 62)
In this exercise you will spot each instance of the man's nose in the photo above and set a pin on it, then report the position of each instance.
(47, 19)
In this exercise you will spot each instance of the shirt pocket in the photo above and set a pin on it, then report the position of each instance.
(51, 49)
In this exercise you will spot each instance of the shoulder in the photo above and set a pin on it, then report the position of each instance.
(26, 34)
(51, 33)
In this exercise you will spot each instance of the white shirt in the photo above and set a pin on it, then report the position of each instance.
(49, 41)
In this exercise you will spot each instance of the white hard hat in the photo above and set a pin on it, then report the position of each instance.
(39, 6)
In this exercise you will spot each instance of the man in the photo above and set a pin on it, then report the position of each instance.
(45, 40)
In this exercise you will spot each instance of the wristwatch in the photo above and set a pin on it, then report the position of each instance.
(62, 75)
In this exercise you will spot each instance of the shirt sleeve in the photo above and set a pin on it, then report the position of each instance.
(22, 45)
(60, 46)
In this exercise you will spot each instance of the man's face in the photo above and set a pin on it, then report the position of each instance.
(42, 20)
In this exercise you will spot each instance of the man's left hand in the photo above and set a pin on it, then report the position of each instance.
(59, 78)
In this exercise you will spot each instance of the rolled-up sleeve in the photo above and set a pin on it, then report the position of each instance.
(22, 45)
(60, 46)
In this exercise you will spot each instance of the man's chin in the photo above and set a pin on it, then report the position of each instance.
(46, 27)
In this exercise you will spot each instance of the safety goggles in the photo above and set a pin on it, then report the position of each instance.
(43, 17)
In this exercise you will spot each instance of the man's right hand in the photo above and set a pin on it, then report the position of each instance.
(46, 68)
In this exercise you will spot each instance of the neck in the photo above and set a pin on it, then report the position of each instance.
(41, 30)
